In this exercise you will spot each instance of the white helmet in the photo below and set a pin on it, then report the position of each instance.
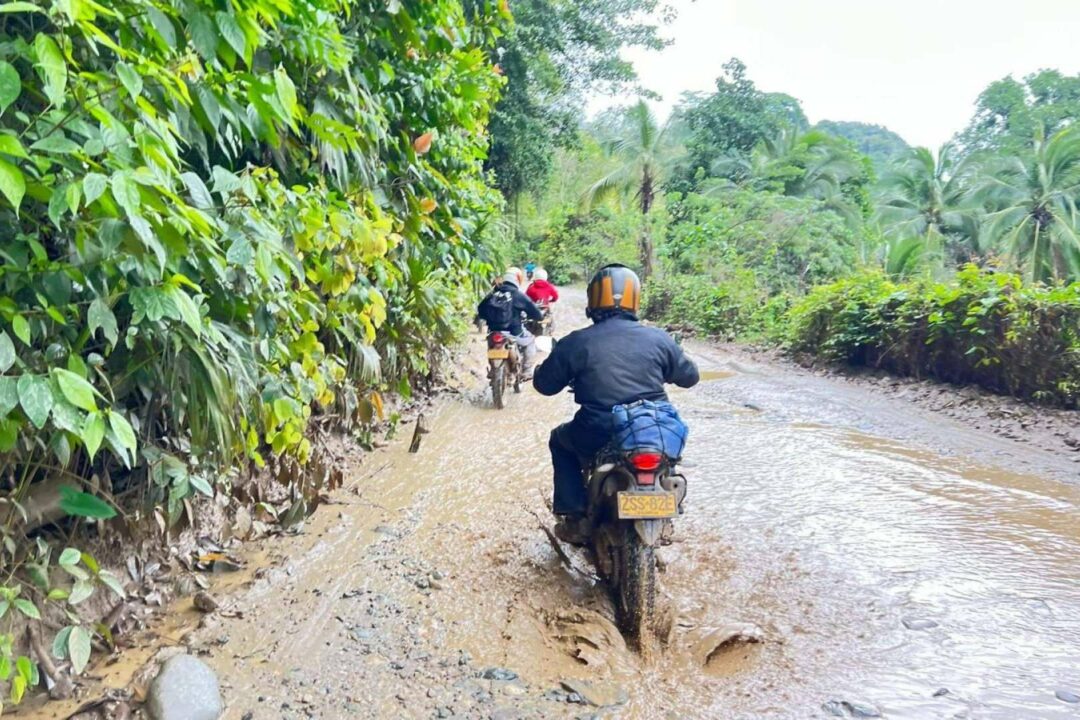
(540, 273)
(513, 275)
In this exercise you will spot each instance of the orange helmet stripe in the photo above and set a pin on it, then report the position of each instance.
(607, 293)
(629, 299)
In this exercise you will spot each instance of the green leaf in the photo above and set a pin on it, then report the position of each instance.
(94, 185)
(70, 556)
(4, 607)
(39, 575)
(93, 432)
(124, 433)
(163, 25)
(78, 391)
(204, 35)
(131, 79)
(36, 398)
(79, 648)
(286, 92)
(10, 85)
(189, 311)
(10, 145)
(230, 30)
(9, 394)
(21, 328)
(100, 316)
(27, 608)
(51, 67)
(153, 304)
(12, 184)
(7, 353)
(60, 643)
(20, 6)
(81, 504)
(199, 194)
(125, 191)
(82, 590)
(112, 582)
(58, 144)
(199, 483)
(58, 594)
(9, 434)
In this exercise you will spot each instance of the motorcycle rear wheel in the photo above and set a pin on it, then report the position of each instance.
(636, 589)
(498, 385)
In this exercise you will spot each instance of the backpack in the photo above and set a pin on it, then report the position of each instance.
(647, 424)
(499, 309)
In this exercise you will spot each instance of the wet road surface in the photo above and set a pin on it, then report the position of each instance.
(891, 563)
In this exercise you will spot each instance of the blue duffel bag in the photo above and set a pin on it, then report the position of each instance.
(647, 424)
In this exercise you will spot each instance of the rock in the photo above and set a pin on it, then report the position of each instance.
(861, 711)
(941, 692)
(497, 673)
(205, 602)
(1067, 696)
(919, 624)
(834, 708)
(185, 689)
(598, 694)
(845, 708)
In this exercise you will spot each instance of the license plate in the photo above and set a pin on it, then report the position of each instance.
(498, 353)
(647, 506)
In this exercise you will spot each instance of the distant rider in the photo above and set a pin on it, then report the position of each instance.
(615, 361)
(502, 310)
(529, 269)
(540, 290)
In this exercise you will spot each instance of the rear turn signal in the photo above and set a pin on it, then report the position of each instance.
(496, 338)
(646, 461)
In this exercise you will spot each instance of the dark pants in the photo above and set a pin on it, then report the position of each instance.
(571, 444)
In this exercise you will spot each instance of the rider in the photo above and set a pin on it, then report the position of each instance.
(502, 310)
(540, 290)
(615, 361)
(529, 269)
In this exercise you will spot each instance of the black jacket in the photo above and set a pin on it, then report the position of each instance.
(613, 362)
(522, 304)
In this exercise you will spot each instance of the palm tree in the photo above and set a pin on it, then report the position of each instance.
(1033, 199)
(643, 158)
(926, 195)
(809, 164)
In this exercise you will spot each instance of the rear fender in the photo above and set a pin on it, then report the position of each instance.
(649, 531)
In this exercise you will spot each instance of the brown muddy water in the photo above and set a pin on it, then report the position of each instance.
(886, 560)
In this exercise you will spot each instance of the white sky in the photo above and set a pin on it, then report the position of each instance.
(915, 66)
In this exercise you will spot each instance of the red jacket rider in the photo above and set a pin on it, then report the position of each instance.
(541, 291)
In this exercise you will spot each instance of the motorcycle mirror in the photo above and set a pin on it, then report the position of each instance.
(677, 337)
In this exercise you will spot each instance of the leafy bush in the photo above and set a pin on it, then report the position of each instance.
(580, 243)
(984, 327)
(219, 220)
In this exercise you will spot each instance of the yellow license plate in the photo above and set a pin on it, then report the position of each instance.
(647, 506)
(498, 353)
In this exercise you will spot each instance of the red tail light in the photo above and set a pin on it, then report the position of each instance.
(497, 338)
(646, 462)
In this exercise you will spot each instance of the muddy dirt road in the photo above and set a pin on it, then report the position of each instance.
(893, 563)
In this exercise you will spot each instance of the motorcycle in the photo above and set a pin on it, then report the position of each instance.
(504, 366)
(543, 326)
(634, 496)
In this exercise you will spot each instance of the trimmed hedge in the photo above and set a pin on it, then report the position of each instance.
(982, 327)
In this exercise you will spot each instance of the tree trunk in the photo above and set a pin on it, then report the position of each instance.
(646, 248)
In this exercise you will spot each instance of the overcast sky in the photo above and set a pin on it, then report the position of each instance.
(915, 66)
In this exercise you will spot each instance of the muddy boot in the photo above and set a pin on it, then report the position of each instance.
(572, 530)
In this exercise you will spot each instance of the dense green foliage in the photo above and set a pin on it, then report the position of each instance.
(556, 53)
(980, 327)
(220, 220)
(878, 143)
(760, 212)
(1010, 112)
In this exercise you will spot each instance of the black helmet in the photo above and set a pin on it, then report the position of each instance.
(614, 288)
